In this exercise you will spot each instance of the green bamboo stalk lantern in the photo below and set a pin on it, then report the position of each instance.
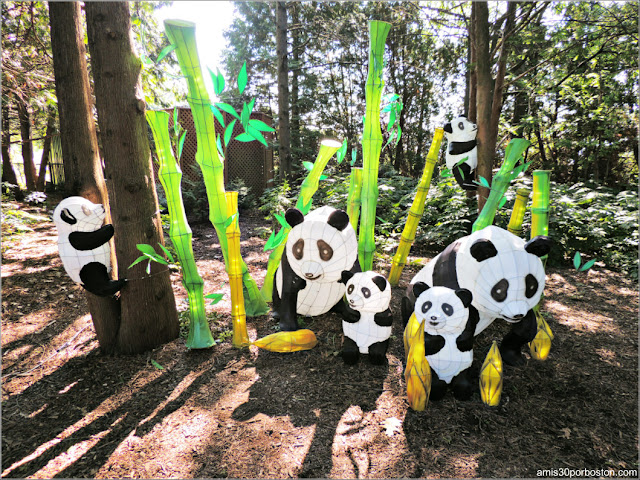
(182, 35)
(500, 183)
(372, 142)
(353, 198)
(238, 315)
(519, 209)
(180, 234)
(308, 188)
(416, 210)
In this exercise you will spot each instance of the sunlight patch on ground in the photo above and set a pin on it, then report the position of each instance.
(584, 322)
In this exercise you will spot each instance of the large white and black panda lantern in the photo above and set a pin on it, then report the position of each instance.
(462, 152)
(503, 273)
(367, 318)
(319, 248)
(449, 325)
(83, 244)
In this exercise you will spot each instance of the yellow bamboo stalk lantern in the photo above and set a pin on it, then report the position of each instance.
(417, 373)
(491, 377)
(519, 208)
(238, 315)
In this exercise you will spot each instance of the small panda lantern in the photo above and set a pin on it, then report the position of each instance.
(367, 320)
(83, 244)
(462, 152)
(319, 248)
(449, 326)
(505, 276)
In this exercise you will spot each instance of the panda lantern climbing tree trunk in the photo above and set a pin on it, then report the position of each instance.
(148, 314)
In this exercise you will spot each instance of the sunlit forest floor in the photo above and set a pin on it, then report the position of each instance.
(69, 411)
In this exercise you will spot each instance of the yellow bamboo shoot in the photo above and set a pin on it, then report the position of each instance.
(417, 373)
(519, 208)
(284, 342)
(491, 377)
(238, 315)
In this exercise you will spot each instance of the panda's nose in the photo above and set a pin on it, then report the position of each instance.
(519, 315)
(434, 317)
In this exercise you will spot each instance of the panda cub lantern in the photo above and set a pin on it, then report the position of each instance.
(449, 325)
(462, 152)
(83, 244)
(367, 319)
(504, 274)
(319, 248)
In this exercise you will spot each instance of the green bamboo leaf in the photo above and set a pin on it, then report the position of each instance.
(392, 119)
(399, 134)
(228, 132)
(484, 182)
(181, 144)
(244, 137)
(252, 102)
(219, 145)
(342, 152)
(354, 154)
(218, 115)
(268, 245)
(138, 260)
(256, 134)
(146, 248)
(165, 51)
(157, 365)
(242, 78)
(281, 220)
(260, 125)
(307, 165)
(218, 81)
(588, 265)
(215, 297)
(323, 177)
(156, 258)
(577, 260)
(230, 220)
(446, 173)
(245, 115)
(148, 269)
(225, 107)
(167, 253)
(175, 118)
(502, 202)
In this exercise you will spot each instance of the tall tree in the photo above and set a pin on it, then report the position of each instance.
(284, 127)
(82, 164)
(148, 315)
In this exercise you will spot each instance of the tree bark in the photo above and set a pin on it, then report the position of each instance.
(473, 77)
(24, 116)
(46, 149)
(296, 48)
(81, 158)
(147, 304)
(284, 129)
(8, 173)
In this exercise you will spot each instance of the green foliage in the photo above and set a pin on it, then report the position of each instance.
(246, 199)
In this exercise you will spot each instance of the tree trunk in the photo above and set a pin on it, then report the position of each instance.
(484, 98)
(24, 116)
(284, 132)
(473, 76)
(82, 165)
(8, 173)
(46, 149)
(147, 305)
(295, 89)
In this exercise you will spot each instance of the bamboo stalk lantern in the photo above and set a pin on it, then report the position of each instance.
(353, 198)
(417, 373)
(416, 210)
(238, 315)
(491, 377)
(372, 142)
(180, 234)
(519, 209)
(182, 35)
(308, 188)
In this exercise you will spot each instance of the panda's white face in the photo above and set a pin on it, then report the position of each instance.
(319, 252)
(368, 292)
(462, 130)
(77, 214)
(442, 310)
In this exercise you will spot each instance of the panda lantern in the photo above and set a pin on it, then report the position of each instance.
(462, 151)
(505, 276)
(319, 248)
(449, 325)
(367, 318)
(83, 244)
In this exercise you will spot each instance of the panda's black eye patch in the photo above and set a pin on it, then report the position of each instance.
(325, 250)
(461, 125)
(298, 249)
(426, 306)
(350, 289)
(499, 290)
(366, 292)
(447, 309)
(531, 286)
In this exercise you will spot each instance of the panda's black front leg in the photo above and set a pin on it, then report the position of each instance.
(464, 176)
(406, 309)
(384, 319)
(350, 351)
(522, 332)
(438, 387)
(462, 385)
(288, 301)
(433, 343)
(378, 352)
(95, 278)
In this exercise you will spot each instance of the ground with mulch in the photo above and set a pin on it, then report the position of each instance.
(70, 411)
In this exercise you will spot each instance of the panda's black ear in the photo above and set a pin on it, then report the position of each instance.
(67, 216)
(338, 220)
(447, 128)
(420, 287)
(345, 276)
(483, 249)
(465, 296)
(539, 246)
(293, 216)
(380, 281)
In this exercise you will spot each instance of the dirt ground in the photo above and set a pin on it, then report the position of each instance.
(70, 411)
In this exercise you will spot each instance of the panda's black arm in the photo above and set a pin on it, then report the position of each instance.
(432, 343)
(464, 342)
(384, 319)
(91, 240)
(347, 313)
